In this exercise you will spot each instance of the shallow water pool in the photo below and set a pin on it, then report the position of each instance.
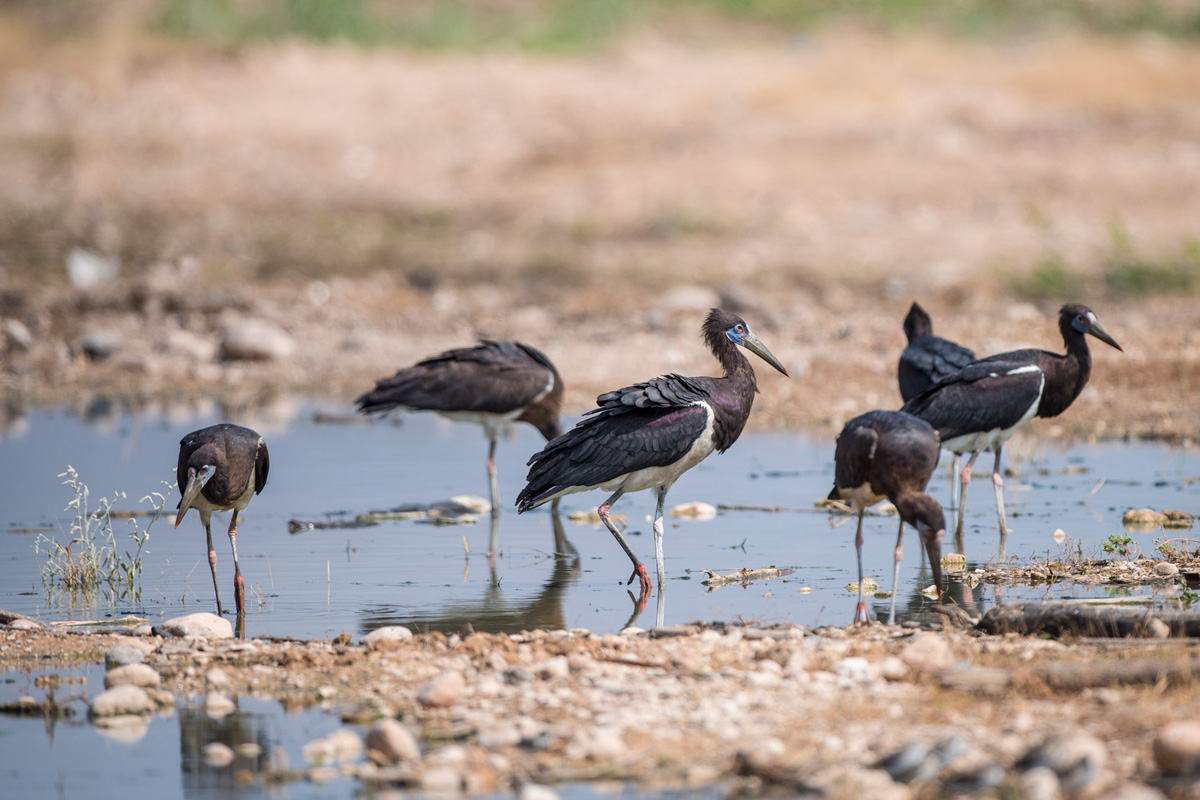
(550, 572)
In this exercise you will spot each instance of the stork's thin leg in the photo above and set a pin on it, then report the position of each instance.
(964, 479)
(860, 612)
(494, 538)
(660, 609)
(658, 537)
(896, 573)
(212, 558)
(493, 484)
(239, 583)
(954, 479)
(998, 482)
(639, 569)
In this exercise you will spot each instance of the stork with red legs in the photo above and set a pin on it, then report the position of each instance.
(646, 435)
(220, 469)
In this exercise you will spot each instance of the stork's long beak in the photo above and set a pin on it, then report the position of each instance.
(752, 343)
(1097, 330)
(196, 481)
(933, 546)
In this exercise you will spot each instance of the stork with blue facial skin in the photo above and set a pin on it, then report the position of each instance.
(220, 469)
(982, 405)
(646, 435)
(492, 384)
(890, 455)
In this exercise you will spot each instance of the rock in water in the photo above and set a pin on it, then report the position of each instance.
(121, 700)
(204, 625)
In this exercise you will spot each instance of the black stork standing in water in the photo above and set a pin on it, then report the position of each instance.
(928, 359)
(493, 383)
(647, 435)
(890, 454)
(982, 405)
(220, 468)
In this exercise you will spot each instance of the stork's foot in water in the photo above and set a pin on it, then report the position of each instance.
(861, 615)
(643, 575)
(239, 594)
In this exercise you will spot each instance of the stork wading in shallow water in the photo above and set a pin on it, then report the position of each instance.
(220, 469)
(646, 435)
(927, 359)
(982, 405)
(492, 384)
(890, 454)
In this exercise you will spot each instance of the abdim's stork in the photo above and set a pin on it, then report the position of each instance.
(647, 435)
(982, 405)
(220, 468)
(927, 359)
(890, 454)
(493, 383)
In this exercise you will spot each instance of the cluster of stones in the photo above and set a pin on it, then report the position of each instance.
(867, 712)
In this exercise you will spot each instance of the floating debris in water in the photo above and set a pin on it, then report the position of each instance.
(590, 517)
(697, 511)
(1143, 518)
(869, 586)
(1178, 519)
(743, 575)
(1147, 519)
(458, 510)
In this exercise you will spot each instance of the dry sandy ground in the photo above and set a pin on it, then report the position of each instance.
(382, 206)
(842, 360)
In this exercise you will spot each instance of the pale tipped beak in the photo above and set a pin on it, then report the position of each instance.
(195, 484)
(752, 343)
(933, 547)
(1097, 330)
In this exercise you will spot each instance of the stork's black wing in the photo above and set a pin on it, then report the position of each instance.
(985, 395)
(651, 424)
(853, 455)
(495, 377)
(928, 359)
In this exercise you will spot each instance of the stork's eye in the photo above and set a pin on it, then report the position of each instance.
(740, 328)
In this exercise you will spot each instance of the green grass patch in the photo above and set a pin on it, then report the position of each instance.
(1124, 272)
(576, 26)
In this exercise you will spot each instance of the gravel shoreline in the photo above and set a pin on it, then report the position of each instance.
(866, 711)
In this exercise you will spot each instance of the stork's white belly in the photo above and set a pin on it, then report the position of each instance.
(651, 477)
(860, 497)
(986, 440)
(205, 506)
(491, 422)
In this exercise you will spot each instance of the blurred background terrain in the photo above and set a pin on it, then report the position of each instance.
(240, 198)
